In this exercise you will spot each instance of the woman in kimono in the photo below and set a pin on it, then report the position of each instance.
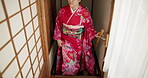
(74, 33)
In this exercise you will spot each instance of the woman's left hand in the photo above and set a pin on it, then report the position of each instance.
(97, 35)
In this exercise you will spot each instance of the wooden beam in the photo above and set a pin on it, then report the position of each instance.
(43, 8)
(1, 75)
(42, 75)
(53, 18)
(111, 15)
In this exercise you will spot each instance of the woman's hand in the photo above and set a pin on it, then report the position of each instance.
(59, 43)
(97, 35)
(72, 27)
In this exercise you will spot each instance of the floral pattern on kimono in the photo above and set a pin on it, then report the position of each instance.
(75, 54)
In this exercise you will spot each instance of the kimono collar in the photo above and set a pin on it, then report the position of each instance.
(74, 10)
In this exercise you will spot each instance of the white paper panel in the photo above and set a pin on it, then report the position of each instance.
(146, 71)
(35, 64)
(16, 24)
(32, 1)
(34, 9)
(26, 15)
(6, 55)
(19, 76)
(36, 23)
(41, 63)
(37, 34)
(24, 3)
(19, 40)
(30, 75)
(26, 68)
(23, 55)
(39, 44)
(37, 73)
(29, 30)
(4, 33)
(2, 15)
(13, 68)
(40, 54)
(33, 55)
(12, 6)
(31, 43)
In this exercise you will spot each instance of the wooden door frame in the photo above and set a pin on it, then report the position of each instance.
(111, 16)
(109, 28)
(43, 9)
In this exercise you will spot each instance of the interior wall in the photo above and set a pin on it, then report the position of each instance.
(101, 14)
(58, 5)
(87, 4)
(64, 2)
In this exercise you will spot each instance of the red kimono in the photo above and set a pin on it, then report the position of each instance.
(75, 54)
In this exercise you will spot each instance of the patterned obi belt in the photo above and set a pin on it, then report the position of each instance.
(76, 33)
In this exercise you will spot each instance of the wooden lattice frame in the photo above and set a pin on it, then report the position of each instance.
(44, 46)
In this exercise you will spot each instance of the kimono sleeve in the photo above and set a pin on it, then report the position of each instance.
(90, 30)
(58, 26)
(89, 34)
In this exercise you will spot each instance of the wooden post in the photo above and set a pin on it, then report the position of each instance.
(1, 75)
(43, 9)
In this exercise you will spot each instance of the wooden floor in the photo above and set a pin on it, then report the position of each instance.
(74, 76)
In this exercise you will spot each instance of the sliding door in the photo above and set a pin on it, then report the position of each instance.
(20, 39)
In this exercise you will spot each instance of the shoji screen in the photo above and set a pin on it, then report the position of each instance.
(20, 40)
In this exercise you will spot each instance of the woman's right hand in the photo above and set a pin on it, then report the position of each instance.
(59, 43)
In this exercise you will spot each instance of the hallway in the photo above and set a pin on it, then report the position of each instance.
(27, 45)
(101, 12)
(27, 48)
